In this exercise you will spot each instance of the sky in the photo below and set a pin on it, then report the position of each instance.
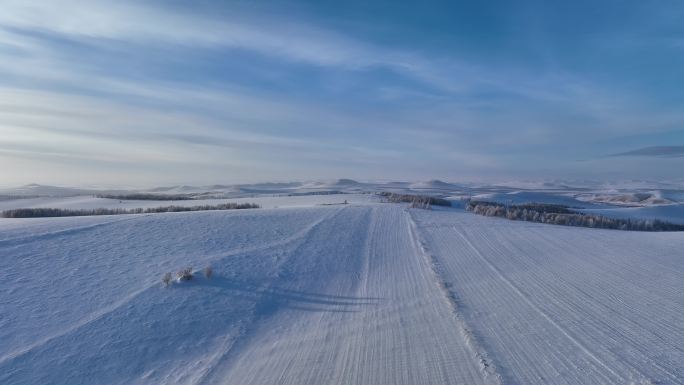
(145, 93)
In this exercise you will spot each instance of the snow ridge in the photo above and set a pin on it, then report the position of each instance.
(18, 241)
(486, 364)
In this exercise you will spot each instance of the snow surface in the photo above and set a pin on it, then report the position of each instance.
(364, 293)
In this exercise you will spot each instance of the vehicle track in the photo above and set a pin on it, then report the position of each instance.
(407, 336)
(542, 313)
(481, 356)
(564, 305)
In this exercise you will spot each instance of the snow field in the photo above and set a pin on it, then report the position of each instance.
(365, 293)
(560, 305)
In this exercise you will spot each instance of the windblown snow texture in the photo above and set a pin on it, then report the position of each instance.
(351, 294)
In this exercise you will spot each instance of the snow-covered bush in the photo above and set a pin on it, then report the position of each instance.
(421, 203)
(185, 274)
(166, 279)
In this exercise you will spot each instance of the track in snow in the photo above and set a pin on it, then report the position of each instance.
(368, 294)
(391, 328)
(564, 305)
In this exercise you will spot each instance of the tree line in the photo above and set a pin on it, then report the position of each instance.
(146, 197)
(416, 201)
(562, 215)
(54, 212)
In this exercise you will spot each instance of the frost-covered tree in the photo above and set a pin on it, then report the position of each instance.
(562, 215)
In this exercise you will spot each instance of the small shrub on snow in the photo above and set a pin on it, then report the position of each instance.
(166, 279)
(208, 271)
(185, 274)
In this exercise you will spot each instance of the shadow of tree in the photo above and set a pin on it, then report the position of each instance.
(268, 298)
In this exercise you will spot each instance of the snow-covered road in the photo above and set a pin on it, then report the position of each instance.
(354, 294)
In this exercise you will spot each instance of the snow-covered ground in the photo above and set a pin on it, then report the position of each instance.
(562, 305)
(364, 293)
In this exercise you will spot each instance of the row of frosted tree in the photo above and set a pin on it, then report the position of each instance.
(146, 197)
(416, 201)
(562, 215)
(56, 212)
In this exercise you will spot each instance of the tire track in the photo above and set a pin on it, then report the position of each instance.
(408, 336)
(223, 360)
(542, 313)
(487, 366)
(18, 241)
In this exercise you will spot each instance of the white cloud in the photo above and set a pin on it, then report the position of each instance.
(136, 22)
(105, 22)
(58, 105)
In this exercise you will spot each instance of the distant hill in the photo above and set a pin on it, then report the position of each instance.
(434, 184)
(347, 183)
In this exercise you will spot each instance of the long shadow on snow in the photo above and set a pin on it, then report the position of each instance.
(269, 299)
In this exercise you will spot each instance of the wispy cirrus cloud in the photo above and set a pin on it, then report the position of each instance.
(143, 23)
(24, 25)
(181, 84)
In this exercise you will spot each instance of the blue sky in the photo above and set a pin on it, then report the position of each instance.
(157, 92)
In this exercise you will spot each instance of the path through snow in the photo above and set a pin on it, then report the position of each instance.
(356, 294)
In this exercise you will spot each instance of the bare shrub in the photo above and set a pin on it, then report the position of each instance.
(166, 279)
(185, 274)
(208, 271)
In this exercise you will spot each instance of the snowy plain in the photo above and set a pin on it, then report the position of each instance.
(308, 291)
